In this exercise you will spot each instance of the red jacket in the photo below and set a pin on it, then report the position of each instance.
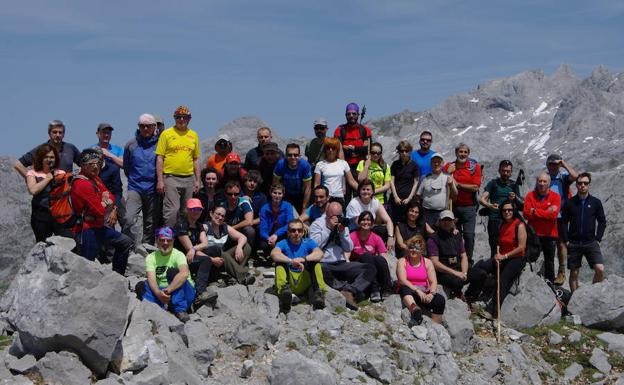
(463, 175)
(543, 221)
(87, 199)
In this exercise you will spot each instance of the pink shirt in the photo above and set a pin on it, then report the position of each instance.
(417, 276)
(374, 245)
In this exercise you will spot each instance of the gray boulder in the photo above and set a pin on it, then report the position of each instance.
(600, 305)
(533, 304)
(61, 301)
(615, 341)
(572, 371)
(456, 317)
(255, 330)
(600, 360)
(292, 368)
(21, 365)
(62, 368)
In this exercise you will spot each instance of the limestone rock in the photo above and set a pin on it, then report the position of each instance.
(572, 371)
(247, 369)
(292, 368)
(64, 243)
(600, 305)
(615, 341)
(554, 338)
(62, 368)
(532, 305)
(61, 301)
(575, 336)
(459, 326)
(600, 360)
(21, 365)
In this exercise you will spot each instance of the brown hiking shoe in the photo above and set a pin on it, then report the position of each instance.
(561, 276)
(351, 304)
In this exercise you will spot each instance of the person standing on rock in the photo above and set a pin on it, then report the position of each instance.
(331, 233)
(467, 175)
(446, 250)
(68, 153)
(333, 172)
(496, 192)
(375, 169)
(223, 147)
(314, 149)
(418, 283)
(169, 282)
(436, 190)
(355, 140)
(139, 164)
(95, 207)
(560, 181)
(111, 171)
(296, 176)
(422, 156)
(177, 166)
(297, 270)
(266, 165)
(403, 182)
(510, 255)
(253, 156)
(581, 213)
(541, 209)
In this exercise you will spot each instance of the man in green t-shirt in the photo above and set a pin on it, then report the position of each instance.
(168, 281)
(314, 149)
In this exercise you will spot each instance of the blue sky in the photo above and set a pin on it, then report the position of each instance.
(287, 62)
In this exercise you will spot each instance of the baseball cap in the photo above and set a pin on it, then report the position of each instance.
(447, 214)
(194, 203)
(224, 137)
(182, 111)
(320, 122)
(232, 157)
(436, 155)
(270, 146)
(103, 126)
(147, 119)
(553, 158)
(158, 119)
(353, 107)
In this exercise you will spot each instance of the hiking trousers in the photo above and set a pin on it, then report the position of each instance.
(147, 204)
(178, 190)
(493, 229)
(475, 280)
(355, 277)
(466, 223)
(92, 239)
(181, 299)
(549, 247)
(510, 270)
(383, 281)
(300, 281)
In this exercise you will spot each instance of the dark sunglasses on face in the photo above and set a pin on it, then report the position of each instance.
(351, 114)
(232, 194)
(507, 210)
(582, 183)
(196, 209)
(146, 125)
(403, 151)
(425, 140)
(297, 230)
(375, 152)
(182, 117)
(320, 128)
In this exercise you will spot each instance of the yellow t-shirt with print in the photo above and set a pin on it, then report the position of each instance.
(179, 149)
(378, 175)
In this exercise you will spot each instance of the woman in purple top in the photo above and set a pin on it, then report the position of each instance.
(368, 247)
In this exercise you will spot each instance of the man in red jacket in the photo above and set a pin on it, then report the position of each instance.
(541, 208)
(95, 208)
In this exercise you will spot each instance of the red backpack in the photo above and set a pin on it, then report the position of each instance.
(60, 198)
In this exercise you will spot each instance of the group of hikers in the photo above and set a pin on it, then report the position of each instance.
(333, 215)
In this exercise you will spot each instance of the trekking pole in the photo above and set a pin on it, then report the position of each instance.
(498, 314)
(362, 120)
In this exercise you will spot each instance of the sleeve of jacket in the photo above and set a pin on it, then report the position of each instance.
(528, 205)
(547, 214)
(127, 158)
(288, 216)
(90, 197)
(265, 221)
(602, 221)
(565, 218)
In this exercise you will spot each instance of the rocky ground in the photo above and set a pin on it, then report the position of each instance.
(66, 320)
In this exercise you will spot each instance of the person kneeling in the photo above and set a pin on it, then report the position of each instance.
(297, 270)
(418, 283)
(168, 283)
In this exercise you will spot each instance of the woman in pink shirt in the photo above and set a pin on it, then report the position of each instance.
(418, 283)
(368, 247)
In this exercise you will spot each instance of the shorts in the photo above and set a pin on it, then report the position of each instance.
(590, 250)
(560, 227)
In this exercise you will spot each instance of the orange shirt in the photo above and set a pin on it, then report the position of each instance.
(217, 162)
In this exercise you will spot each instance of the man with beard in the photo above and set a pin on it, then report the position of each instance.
(314, 149)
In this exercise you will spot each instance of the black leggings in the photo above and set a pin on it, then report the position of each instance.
(510, 270)
(436, 306)
(383, 281)
(549, 246)
(475, 277)
(44, 226)
(201, 268)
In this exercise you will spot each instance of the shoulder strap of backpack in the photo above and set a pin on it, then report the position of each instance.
(343, 133)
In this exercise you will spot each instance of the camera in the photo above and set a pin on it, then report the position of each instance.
(343, 220)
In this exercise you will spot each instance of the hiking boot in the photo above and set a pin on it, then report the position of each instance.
(416, 318)
(248, 280)
(208, 296)
(561, 276)
(183, 316)
(285, 299)
(483, 313)
(375, 297)
(317, 299)
(351, 304)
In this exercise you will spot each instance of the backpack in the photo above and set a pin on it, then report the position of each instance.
(343, 133)
(533, 246)
(61, 206)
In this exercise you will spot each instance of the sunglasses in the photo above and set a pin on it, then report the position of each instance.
(291, 155)
(146, 125)
(403, 151)
(297, 230)
(582, 183)
(232, 194)
(196, 209)
(352, 114)
(375, 152)
(507, 210)
(425, 140)
(182, 117)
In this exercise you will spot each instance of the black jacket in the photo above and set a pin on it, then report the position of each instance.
(580, 217)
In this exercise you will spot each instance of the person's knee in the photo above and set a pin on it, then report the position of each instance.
(438, 303)
(599, 268)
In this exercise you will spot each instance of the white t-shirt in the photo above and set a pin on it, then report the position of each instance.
(333, 176)
(432, 189)
(356, 207)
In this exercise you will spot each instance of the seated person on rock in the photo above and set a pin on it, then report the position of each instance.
(331, 233)
(274, 218)
(320, 197)
(191, 239)
(368, 247)
(418, 283)
(510, 255)
(210, 194)
(414, 224)
(169, 283)
(297, 270)
(365, 201)
(446, 250)
(238, 211)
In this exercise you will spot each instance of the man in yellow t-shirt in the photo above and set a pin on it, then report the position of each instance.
(177, 165)
(168, 279)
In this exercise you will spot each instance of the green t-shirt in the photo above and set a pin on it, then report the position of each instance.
(499, 193)
(378, 175)
(314, 152)
(158, 263)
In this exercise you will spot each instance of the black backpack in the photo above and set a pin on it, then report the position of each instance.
(343, 133)
(533, 245)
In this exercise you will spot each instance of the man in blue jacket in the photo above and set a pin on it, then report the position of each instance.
(580, 215)
(139, 162)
